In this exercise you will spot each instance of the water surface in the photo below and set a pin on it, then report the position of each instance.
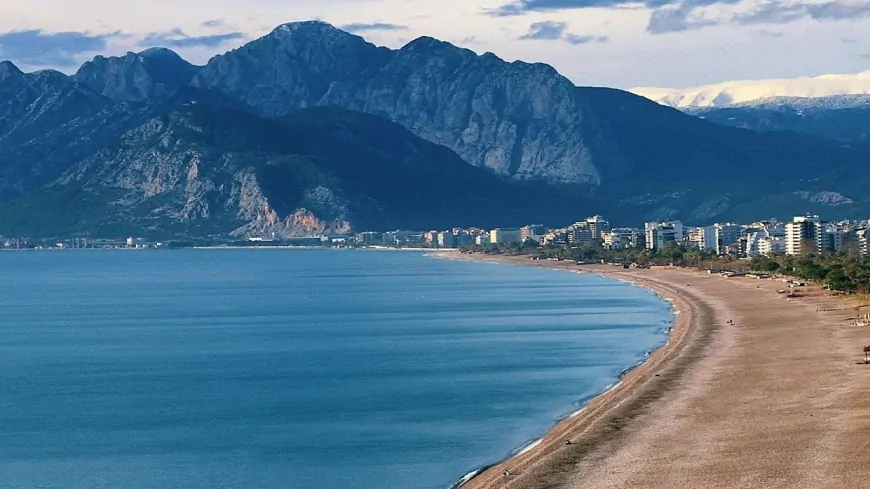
(309, 369)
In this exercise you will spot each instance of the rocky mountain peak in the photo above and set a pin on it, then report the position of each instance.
(8, 69)
(50, 77)
(136, 76)
(158, 52)
(292, 67)
(308, 27)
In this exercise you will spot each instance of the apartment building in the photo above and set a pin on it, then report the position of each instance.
(660, 232)
(803, 235)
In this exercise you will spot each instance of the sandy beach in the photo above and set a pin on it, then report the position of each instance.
(779, 398)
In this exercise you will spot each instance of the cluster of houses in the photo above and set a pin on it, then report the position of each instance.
(76, 243)
(801, 235)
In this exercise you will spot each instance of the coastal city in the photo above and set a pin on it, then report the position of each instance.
(802, 235)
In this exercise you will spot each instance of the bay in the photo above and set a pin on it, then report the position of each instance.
(300, 369)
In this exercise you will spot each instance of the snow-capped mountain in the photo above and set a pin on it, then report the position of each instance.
(844, 118)
(738, 92)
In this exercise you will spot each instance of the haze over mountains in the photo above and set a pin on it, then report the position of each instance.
(429, 135)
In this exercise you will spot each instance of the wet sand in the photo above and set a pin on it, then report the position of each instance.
(777, 399)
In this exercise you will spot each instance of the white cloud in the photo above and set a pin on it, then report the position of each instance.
(713, 49)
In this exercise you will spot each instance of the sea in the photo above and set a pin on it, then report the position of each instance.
(295, 369)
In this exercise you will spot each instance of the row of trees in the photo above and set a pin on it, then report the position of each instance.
(840, 271)
(594, 251)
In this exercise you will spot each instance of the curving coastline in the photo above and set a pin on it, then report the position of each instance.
(696, 413)
(589, 425)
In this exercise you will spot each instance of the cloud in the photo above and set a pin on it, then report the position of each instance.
(675, 19)
(683, 16)
(766, 33)
(575, 39)
(783, 13)
(838, 10)
(176, 38)
(467, 40)
(35, 47)
(520, 7)
(771, 13)
(214, 23)
(549, 30)
(375, 26)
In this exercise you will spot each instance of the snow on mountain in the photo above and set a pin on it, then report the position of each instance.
(735, 92)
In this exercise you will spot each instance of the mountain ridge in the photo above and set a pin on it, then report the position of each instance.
(98, 153)
(739, 91)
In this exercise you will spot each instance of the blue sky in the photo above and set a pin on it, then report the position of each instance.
(621, 43)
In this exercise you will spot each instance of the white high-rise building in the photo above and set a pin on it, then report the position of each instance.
(659, 233)
(803, 235)
(503, 236)
(771, 245)
(720, 235)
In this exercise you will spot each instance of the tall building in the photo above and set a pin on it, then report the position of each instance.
(598, 226)
(720, 235)
(833, 238)
(803, 235)
(370, 238)
(533, 231)
(755, 241)
(505, 235)
(694, 237)
(659, 233)
(580, 234)
(862, 237)
(770, 245)
(855, 242)
(621, 238)
(446, 239)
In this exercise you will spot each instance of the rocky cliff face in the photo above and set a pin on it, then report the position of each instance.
(192, 168)
(171, 172)
(135, 77)
(517, 119)
(45, 120)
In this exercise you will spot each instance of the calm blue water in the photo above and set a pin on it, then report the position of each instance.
(204, 369)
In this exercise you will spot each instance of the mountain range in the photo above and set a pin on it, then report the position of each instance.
(742, 91)
(312, 130)
(844, 118)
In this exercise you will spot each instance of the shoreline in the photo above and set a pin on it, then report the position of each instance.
(753, 389)
(591, 410)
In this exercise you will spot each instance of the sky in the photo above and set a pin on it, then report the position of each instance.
(617, 43)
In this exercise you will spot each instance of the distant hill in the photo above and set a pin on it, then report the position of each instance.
(844, 118)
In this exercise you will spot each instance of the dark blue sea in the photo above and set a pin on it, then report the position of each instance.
(295, 369)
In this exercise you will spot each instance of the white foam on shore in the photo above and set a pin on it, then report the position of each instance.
(467, 477)
(531, 446)
(577, 412)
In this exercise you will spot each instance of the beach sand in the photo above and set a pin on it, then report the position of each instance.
(777, 399)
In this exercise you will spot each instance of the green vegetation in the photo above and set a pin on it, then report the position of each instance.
(594, 252)
(839, 271)
(842, 272)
